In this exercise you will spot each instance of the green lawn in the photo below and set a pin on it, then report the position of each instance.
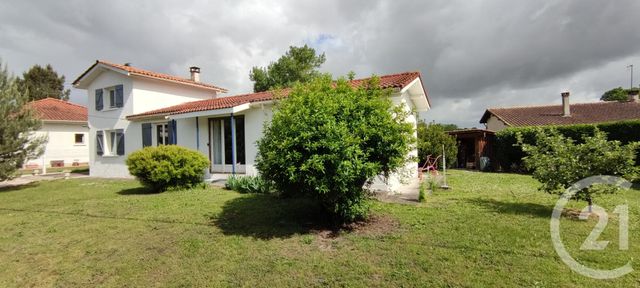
(488, 230)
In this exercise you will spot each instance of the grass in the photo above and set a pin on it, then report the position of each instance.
(488, 230)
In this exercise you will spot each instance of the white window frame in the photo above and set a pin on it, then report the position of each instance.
(164, 129)
(110, 143)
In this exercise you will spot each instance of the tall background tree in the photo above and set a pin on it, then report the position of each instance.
(617, 94)
(17, 142)
(431, 137)
(299, 64)
(42, 82)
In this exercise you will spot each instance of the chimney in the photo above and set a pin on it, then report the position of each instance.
(566, 108)
(633, 95)
(195, 73)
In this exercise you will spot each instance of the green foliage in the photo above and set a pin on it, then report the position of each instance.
(509, 155)
(167, 166)
(249, 184)
(299, 64)
(42, 82)
(328, 139)
(422, 192)
(431, 137)
(17, 141)
(617, 94)
(558, 162)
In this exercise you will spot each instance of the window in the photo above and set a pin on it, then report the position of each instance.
(162, 132)
(110, 142)
(112, 97)
(79, 138)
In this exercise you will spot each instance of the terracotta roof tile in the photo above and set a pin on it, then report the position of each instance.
(387, 81)
(582, 113)
(50, 109)
(151, 74)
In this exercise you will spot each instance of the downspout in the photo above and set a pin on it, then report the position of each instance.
(197, 134)
(233, 145)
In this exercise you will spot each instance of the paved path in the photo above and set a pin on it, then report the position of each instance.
(26, 179)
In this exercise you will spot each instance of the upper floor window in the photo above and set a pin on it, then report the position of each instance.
(114, 97)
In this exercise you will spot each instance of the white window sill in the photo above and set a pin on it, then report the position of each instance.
(110, 156)
(80, 144)
(110, 109)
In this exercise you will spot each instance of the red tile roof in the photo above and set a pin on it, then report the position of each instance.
(582, 113)
(387, 81)
(50, 109)
(146, 73)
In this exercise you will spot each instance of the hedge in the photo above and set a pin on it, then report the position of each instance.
(509, 156)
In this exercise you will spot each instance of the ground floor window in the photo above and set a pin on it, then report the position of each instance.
(110, 142)
(79, 138)
(162, 132)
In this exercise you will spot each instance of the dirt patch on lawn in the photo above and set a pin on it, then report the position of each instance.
(375, 226)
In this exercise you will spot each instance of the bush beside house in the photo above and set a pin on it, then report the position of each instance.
(167, 166)
(327, 139)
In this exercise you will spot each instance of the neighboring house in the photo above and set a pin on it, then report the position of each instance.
(65, 126)
(497, 119)
(131, 108)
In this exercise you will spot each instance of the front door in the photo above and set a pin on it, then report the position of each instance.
(223, 152)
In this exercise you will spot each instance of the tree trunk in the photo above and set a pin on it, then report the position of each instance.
(590, 201)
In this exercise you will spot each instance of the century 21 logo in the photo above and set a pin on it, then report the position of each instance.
(592, 242)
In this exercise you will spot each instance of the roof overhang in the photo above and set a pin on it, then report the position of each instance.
(216, 112)
(418, 95)
(69, 122)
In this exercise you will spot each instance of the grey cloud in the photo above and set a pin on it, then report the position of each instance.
(472, 54)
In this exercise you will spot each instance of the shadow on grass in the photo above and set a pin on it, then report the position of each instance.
(267, 217)
(519, 208)
(137, 191)
(13, 188)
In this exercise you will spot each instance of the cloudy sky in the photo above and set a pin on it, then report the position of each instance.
(472, 54)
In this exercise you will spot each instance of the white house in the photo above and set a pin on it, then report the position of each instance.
(131, 108)
(65, 126)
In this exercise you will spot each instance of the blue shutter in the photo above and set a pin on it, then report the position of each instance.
(146, 135)
(99, 100)
(99, 143)
(120, 137)
(119, 96)
(173, 136)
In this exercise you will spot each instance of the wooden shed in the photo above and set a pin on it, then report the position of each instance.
(473, 145)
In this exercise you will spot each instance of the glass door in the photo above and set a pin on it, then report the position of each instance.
(222, 145)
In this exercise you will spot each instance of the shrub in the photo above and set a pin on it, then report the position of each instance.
(249, 184)
(558, 162)
(327, 139)
(167, 166)
(431, 137)
(422, 193)
(509, 155)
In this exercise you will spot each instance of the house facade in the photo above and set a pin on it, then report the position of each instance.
(65, 126)
(150, 109)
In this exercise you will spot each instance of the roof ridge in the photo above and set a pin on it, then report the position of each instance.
(142, 71)
(555, 105)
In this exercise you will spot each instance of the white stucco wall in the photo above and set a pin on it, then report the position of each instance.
(495, 124)
(140, 95)
(61, 144)
(153, 94)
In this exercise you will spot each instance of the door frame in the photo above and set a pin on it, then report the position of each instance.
(223, 168)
